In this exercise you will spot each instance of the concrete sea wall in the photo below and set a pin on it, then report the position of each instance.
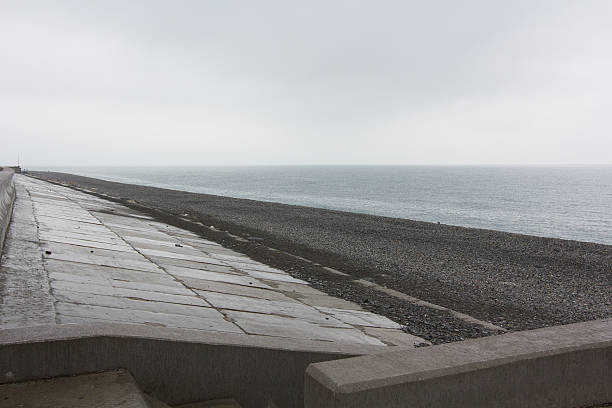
(563, 367)
(7, 198)
(174, 365)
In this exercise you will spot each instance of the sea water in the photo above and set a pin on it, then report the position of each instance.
(562, 202)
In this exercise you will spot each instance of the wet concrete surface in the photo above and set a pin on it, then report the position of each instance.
(72, 258)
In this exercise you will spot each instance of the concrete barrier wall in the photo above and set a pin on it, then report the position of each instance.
(563, 366)
(176, 366)
(7, 198)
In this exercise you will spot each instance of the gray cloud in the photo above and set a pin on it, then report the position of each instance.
(194, 82)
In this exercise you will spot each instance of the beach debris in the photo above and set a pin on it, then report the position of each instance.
(48, 252)
(178, 245)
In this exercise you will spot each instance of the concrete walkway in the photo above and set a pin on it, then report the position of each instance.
(72, 258)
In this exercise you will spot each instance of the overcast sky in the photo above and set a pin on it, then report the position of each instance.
(305, 82)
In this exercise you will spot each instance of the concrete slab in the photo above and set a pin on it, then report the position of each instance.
(152, 287)
(176, 288)
(107, 272)
(190, 264)
(108, 389)
(293, 289)
(184, 257)
(146, 317)
(240, 290)
(360, 318)
(77, 250)
(93, 299)
(271, 307)
(128, 227)
(274, 277)
(326, 301)
(59, 218)
(173, 248)
(128, 293)
(235, 279)
(109, 238)
(210, 249)
(172, 230)
(247, 266)
(95, 259)
(236, 257)
(202, 241)
(395, 337)
(151, 234)
(279, 326)
(120, 247)
(170, 242)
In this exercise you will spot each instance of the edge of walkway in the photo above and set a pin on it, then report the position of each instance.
(7, 198)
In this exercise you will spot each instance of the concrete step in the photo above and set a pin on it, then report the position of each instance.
(220, 403)
(153, 402)
(101, 390)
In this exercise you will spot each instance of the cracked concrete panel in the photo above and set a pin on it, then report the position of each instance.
(293, 289)
(184, 257)
(109, 238)
(172, 265)
(88, 244)
(93, 299)
(107, 272)
(172, 230)
(235, 279)
(395, 337)
(176, 289)
(279, 326)
(170, 242)
(143, 234)
(88, 258)
(229, 288)
(59, 218)
(174, 249)
(326, 301)
(152, 287)
(146, 317)
(57, 247)
(234, 258)
(273, 307)
(244, 266)
(110, 290)
(360, 317)
(275, 277)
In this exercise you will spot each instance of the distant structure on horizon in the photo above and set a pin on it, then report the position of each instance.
(17, 169)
